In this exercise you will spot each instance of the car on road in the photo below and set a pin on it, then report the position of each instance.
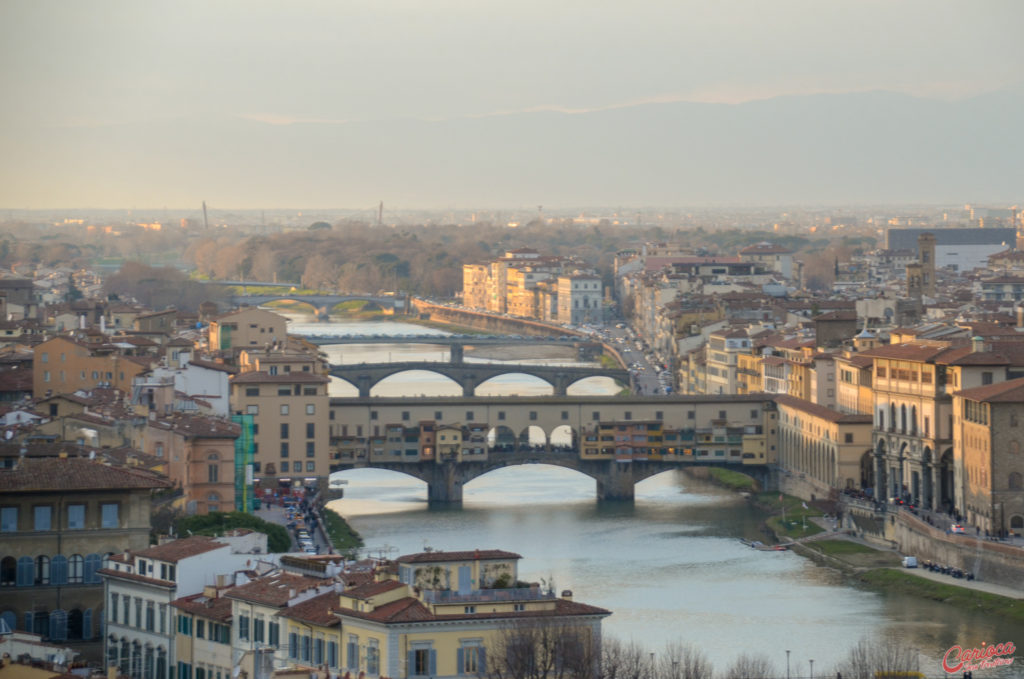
(910, 562)
(956, 528)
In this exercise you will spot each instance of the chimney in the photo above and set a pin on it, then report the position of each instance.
(1020, 317)
(567, 595)
(977, 344)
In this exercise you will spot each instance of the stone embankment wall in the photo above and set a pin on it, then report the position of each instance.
(994, 562)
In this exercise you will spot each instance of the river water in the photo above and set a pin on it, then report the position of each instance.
(670, 566)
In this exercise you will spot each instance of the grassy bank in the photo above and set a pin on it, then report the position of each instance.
(343, 537)
(892, 580)
(854, 554)
(732, 480)
(791, 515)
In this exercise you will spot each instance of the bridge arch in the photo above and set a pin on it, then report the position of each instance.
(297, 300)
(416, 382)
(497, 385)
(533, 437)
(501, 439)
(579, 387)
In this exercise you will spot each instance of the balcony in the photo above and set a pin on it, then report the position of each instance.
(447, 596)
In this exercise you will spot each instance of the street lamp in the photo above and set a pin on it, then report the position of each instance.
(787, 664)
(812, 668)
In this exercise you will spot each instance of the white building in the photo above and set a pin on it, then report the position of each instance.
(579, 299)
(139, 588)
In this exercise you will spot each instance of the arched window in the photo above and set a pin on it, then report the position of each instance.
(8, 621)
(1014, 481)
(161, 663)
(76, 569)
(913, 419)
(903, 418)
(892, 417)
(8, 571)
(42, 570)
(87, 624)
(40, 622)
(1017, 522)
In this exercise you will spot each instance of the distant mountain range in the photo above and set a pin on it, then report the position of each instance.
(862, 148)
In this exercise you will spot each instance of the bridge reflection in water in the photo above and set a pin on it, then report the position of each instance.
(618, 441)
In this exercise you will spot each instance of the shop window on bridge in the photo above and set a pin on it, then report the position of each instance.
(565, 414)
(438, 415)
(469, 416)
(373, 414)
(501, 414)
(405, 416)
(628, 415)
(691, 415)
(595, 416)
(533, 415)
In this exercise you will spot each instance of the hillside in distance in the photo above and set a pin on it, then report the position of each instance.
(862, 148)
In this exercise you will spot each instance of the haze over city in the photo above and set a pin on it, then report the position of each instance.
(458, 104)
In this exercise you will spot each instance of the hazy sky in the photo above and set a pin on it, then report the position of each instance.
(102, 62)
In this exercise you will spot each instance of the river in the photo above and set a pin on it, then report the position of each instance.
(670, 565)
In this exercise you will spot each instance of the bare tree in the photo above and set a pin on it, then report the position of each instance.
(867, 658)
(624, 661)
(684, 661)
(750, 666)
(544, 649)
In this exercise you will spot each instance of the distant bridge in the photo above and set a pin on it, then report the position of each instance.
(323, 303)
(364, 376)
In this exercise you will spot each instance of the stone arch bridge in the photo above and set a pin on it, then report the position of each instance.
(364, 376)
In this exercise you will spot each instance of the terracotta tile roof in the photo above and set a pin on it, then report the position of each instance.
(910, 351)
(815, 410)
(182, 548)
(1010, 391)
(409, 609)
(371, 589)
(218, 608)
(316, 611)
(275, 589)
(212, 365)
(444, 557)
(75, 473)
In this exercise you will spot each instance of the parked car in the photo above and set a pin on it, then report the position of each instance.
(956, 528)
(910, 562)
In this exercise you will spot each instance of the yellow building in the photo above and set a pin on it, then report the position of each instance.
(748, 373)
(853, 383)
(62, 366)
(988, 428)
(203, 640)
(822, 449)
(291, 413)
(457, 614)
(246, 328)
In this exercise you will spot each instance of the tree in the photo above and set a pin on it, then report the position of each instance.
(319, 226)
(544, 648)
(750, 666)
(888, 655)
(684, 661)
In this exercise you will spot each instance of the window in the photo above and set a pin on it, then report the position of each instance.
(284, 449)
(42, 570)
(373, 414)
(252, 391)
(352, 653)
(42, 517)
(243, 627)
(284, 467)
(257, 629)
(310, 430)
(252, 410)
(273, 633)
(691, 415)
(565, 415)
(310, 449)
(533, 415)
(113, 607)
(405, 415)
(332, 654)
(469, 609)
(151, 616)
(293, 645)
(469, 416)
(471, 659)
(200, 628)
(373, 658)
(305, 647)
(501, 414)
(628, 415)
(76, 569)
(318, 652)
(284, 430)
(284, 408)
(986, 377)
(310, 466)
(848, 437)
(595, 416)
(213, 473)
(109, 516)
(422, 662)
(310, 409)
(438, 415)
(163, 619)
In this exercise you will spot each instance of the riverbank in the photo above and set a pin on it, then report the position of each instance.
(863, 565)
